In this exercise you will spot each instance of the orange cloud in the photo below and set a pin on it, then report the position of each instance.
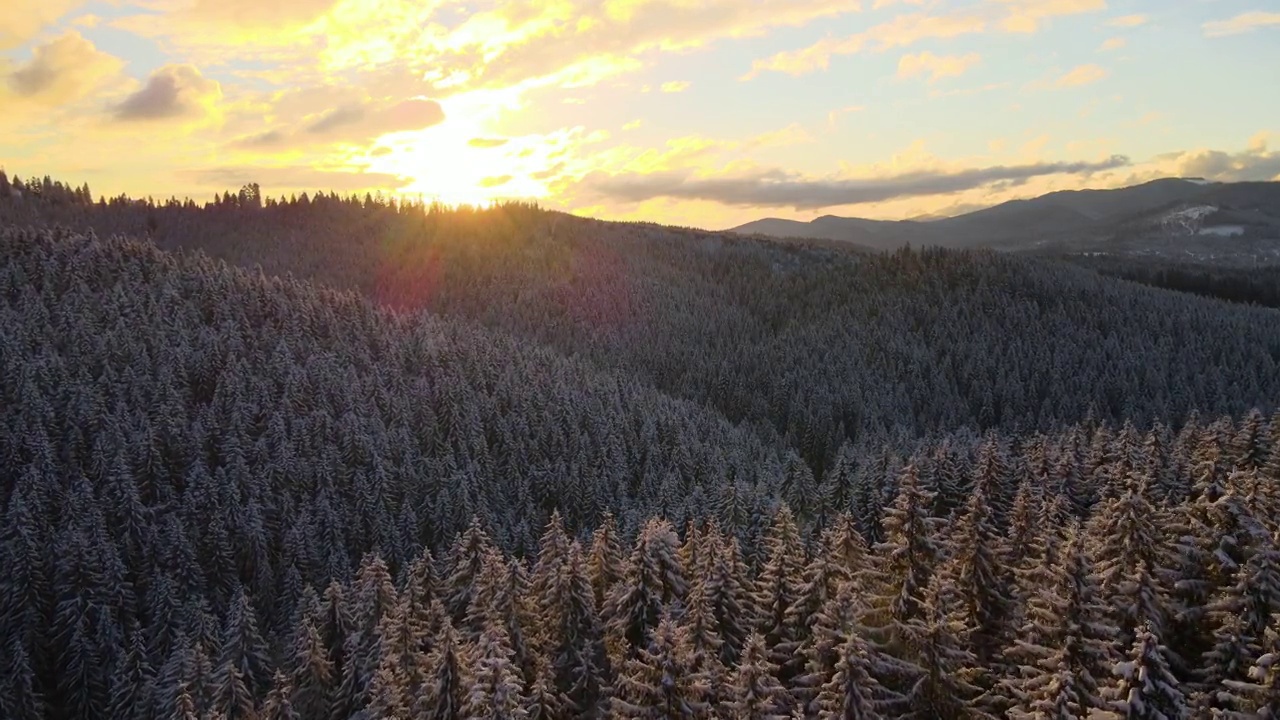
(66, 68)
(902, 31)
(1242, 23)
(936, 67)
(1081, 75)
(173, 91)
(358, 122)
(1127, 21)
(1114, 43)
(1026, 16)
(21, 20)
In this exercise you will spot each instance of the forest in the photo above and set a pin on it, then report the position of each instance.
(1258, 285)
(340, 458)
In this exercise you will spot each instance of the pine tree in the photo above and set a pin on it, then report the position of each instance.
(1241, 616)
(1064, 648)
(449, 682)
(579, 667)
(906, 561)
(1259, 696)
(975, 572)
(1129, 562)
(279, 702)
(852, 693)
(700, 632)
(654, 580)
(242, 673)
(311, 670)
(20, 698)
(778, 589)
(606, 565)
(1147, 689)
(128, 682)
(496, 692)
(757, 694)
(658, 682)
(727, 584)
(466, 561)
(944, 686)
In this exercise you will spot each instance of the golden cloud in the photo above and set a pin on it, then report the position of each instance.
(1026, 16)
(1081, 75)
(902, 31)
(1242, 23)
(356, 122)
(1018, 16)
(21, 20)
(936, 67)
(172, 92)
(64, 69)
(1128, 21)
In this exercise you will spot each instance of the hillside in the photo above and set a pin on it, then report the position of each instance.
(811, 346)
(1240, 224)
(476, 463)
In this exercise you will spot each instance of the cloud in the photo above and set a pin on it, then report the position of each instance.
(1114, 43)
(173, 91)
(936, 66)
(1127, 21)
(495, 181)
(210, 30)
(275, 179)
(1015, 16)
(522, 40)
(1081, 75)
(1253, 163)
(259, 13)
(776, 188)
(21, 20)
(902, 31)
(487, 142)
(835, 115)
(1026, 16)
(63, 69)
(1242, 23)
(675, 86)
(355, 122)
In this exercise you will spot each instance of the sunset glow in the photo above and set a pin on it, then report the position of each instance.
(705, 113)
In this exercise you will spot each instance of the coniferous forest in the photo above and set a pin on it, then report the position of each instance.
(328, 457)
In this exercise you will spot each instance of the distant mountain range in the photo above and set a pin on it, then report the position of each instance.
(1171, 216)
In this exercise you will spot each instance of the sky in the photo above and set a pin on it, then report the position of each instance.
(706, 113)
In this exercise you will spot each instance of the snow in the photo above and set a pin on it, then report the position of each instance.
(1222, 230)
(1195, 212)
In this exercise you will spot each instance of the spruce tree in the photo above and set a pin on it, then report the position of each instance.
(852, 693)
(756, 693)
(658, 682)
(496, 692)
(1147, 689)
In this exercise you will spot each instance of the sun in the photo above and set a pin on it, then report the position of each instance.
(461, 161)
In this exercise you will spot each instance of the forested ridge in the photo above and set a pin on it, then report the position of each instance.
(813, 344)
(506, 463)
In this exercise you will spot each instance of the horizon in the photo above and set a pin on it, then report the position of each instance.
(644, 110)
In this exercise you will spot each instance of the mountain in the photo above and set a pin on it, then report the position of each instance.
(1067, 220)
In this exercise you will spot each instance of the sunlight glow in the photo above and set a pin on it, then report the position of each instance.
(462, 160)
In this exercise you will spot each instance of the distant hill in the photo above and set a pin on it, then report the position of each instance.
(1132, 220)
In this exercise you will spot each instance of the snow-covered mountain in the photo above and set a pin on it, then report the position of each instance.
(1169, 216)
